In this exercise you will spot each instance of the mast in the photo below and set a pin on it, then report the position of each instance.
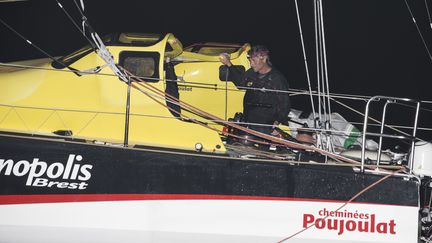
(324, 108)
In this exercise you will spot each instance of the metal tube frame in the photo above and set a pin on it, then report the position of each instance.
(390, 100)
(127, 114)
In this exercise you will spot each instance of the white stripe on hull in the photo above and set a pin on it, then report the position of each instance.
(204, 220)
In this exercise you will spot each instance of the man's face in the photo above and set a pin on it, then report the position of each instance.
(257, 62)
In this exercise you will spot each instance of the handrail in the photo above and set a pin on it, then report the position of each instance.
(127, 114)
(382, 130)
(389, 100)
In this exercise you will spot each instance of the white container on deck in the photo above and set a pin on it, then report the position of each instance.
(422, 163)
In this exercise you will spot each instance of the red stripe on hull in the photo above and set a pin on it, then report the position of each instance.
(59, 198)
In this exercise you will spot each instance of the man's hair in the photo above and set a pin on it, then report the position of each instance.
(259, 50)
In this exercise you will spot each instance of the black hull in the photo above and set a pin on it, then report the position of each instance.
(107, 170)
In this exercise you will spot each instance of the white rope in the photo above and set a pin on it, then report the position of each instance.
(305, 60)
(104, 53)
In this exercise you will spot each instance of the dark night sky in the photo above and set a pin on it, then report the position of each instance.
(373, 47)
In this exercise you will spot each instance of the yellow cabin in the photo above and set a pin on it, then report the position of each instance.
(52, 100)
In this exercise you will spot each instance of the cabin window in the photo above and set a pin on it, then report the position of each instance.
(144, 65)
(140, 66)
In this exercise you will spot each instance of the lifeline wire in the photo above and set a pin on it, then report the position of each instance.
(418, 30)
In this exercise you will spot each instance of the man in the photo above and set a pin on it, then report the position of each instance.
(266, 101)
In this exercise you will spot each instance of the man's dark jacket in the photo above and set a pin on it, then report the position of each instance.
(262, 102)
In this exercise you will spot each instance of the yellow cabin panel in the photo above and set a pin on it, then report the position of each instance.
(93, 106)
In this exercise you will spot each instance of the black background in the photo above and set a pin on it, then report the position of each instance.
(373, 46)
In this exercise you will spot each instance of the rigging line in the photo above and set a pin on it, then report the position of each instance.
(343, 96)
(325, 60)
(321, 82)
(347, 202)
(411, 106)
(317, 59)
(370, 118)
(84, 19)
(428, 13)
(334, 95)
(39, 49)
(305, 59)
(79, 8)
(395, 126)
(405, 127)
(76, 25)
(322, 64)
(322, 91)
(421, 108)
(100, 48)
(418, 30)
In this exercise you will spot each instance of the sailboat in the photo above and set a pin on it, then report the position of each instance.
(106, 145)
